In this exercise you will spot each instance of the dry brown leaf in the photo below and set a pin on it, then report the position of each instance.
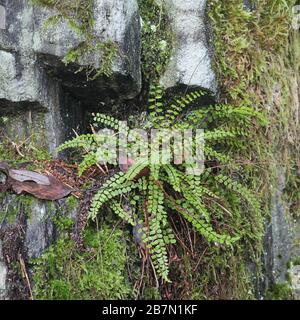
(55, 191)
(25, 175)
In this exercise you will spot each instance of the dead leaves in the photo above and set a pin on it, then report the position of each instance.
(41, 186)
(25, 175)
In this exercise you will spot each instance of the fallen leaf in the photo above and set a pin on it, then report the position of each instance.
(55, 191)
(25, 175)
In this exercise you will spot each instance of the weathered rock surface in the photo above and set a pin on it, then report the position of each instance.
(43, 100)
(278, 240)
(116, 21)
(27, 45)
(32, 76)
(3, 274)
(191, 63)
(26, 229)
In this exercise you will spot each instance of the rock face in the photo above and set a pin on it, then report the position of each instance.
(3, 274)
(26, 230)
(278, 240)
(191, 64)
(27, 42)
(32, 76)
(116, 21)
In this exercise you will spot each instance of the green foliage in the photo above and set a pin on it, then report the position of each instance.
(280, 292)
(157, 39)
(247, 43)
(257, 61)
(157, 190)
(63, 273)
(79, 15)
(22, 140)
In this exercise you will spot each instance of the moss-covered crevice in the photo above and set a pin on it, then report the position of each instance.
(257, 63)
(157, 39)
(23, 138)
(14, 211)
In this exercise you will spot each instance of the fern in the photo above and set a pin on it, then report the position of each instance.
(156, 190)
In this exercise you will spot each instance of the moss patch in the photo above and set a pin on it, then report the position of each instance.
(23, 138)
(257, 63)
(279, 292)
(98, 272)
(157, 39)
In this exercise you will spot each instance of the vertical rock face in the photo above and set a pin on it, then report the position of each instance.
(278, 240)
(26, 230)
(191, 63)
(3, 274)
(2, 17)
(32, 76)
(115, 21)
(39, 230)
(18, 73)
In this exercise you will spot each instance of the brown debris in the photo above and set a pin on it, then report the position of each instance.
(41, 186)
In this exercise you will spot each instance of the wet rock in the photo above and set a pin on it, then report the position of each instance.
(3, 275)
(28, 45)
(295, 280)
(2, 17)
(40, 229)
(278, 239)
(20, 77)
(33, 78)
(27, 229)
(191, 63)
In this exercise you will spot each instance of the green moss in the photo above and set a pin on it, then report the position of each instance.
(157, 39)
(296, 261)
(23, 138)
(257, 64)
(63, 223)
(17, 205)
(72, 203)
(280, 292)
(247, 42)
(98, 272)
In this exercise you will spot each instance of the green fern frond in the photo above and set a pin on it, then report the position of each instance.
(241, 190)
(173, 177)
(178, 105)
(107, 121)
(117, 185)
(210, 153)
(89, 160)
(136, 168)
(205, 229)
(83, 141)
(124, 215)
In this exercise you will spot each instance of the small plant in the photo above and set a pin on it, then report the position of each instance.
(155, 191)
